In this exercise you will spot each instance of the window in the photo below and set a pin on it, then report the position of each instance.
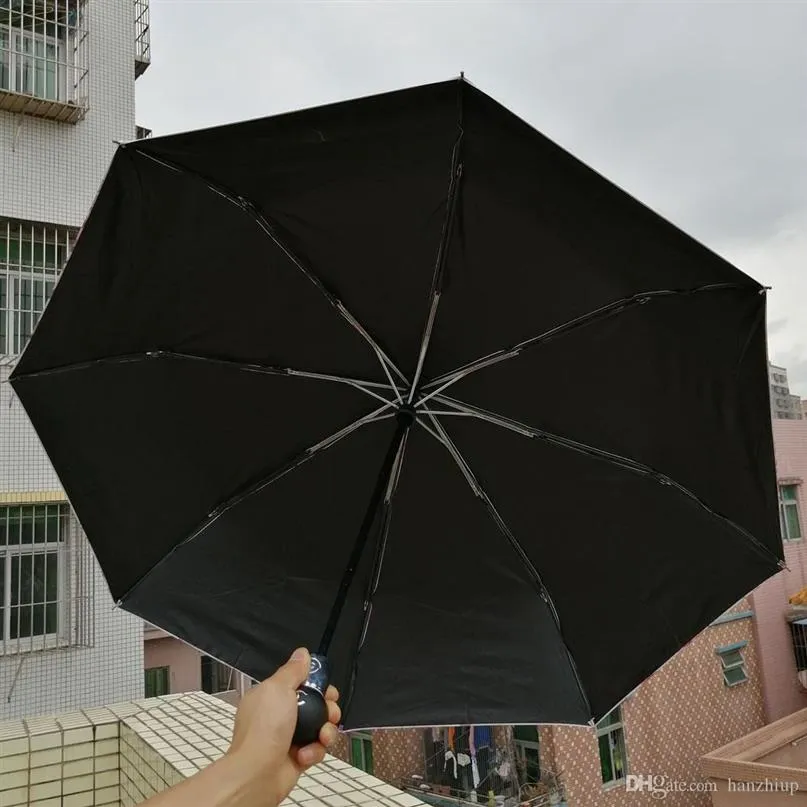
(611, 741)
(733, 663)
(216, 677)
(789, 519)
(31, 258)
(41, 47)
(32, 579)
(158, 681)
(798, 633)
(526, 740)
(361, 752)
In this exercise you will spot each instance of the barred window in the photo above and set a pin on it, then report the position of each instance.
(44, 58)
(45, 583)
(31, 258)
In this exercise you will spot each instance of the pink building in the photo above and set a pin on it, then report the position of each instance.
(171, 666)
(783, 691)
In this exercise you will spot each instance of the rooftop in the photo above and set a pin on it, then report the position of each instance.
(764, 768)
(122, 754)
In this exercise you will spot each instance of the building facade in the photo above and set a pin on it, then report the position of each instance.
(780, 636)
(784, 405)
(709, 694)
(171, 667)
(67, 92)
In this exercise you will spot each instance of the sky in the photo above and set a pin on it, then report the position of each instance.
(699, 109)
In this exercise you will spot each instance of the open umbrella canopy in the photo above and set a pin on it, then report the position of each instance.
(402, 379)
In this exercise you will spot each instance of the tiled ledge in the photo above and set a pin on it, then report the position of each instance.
(124, 753)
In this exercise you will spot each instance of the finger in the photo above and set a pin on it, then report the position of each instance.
(310, 755)
(334, 713)
(328, 735)
(295, 670)
(332, 693)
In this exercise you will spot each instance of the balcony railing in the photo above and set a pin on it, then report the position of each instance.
(44, 58)
(142, 37)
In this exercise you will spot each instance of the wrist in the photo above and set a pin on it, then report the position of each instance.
(232, 782)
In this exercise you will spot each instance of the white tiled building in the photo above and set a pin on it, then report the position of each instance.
(67, 91)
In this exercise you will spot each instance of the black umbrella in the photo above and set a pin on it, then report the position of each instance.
(402, 380)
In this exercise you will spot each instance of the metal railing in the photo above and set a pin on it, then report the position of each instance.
(142, 37)
(48, 584)
(44, 58)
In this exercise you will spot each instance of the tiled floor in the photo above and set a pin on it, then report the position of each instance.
(124, 753)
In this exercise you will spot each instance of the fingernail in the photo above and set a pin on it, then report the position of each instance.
(299, 654)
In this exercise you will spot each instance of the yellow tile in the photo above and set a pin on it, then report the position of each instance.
(47, 803)
(11, 798)
(107, 778)
(79, 800)
(50, 757)
(77, 784)
(10, 747)
(47, 773)
(107, 730)
(39, 742)
(79, 735)
(81, 767)
(47, 790)
(12, 730)
(16, 763)
(103, 747)
(107, 795)
(79, 751)
(107, 763)
(11, 781)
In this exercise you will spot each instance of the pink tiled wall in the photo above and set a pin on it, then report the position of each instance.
(783, 693)
(183, 661)
(679, 714)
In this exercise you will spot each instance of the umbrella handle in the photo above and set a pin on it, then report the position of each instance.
(312, 711)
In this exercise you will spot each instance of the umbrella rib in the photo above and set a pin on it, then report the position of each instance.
(271, 230)
(442, 257)
(618, 460)
(375, 577)
(438, 385)
(367, 387)
(264, 481)
(443, 437)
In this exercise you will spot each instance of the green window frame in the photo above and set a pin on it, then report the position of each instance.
(612, 748)
(789, 514)
(361, 751)
(157, 681)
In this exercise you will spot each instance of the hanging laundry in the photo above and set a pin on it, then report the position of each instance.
(450, 755)
(474, 765)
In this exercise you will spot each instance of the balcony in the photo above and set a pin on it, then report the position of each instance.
(44, 59)
(142, 37)
(766, 768)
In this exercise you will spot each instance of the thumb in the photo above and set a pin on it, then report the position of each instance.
(295, 670)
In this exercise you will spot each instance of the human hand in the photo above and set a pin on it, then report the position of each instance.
(261, 754)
